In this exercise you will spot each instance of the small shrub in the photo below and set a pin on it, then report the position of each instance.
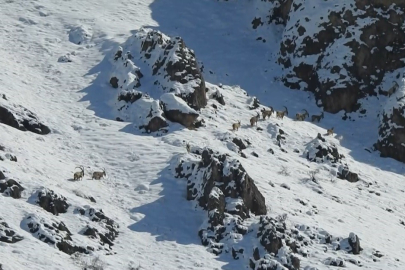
(94, 264)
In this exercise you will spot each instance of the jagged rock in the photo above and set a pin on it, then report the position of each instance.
(391, 130)
(219, 97)
(11, 188)
(354, 243)
(255, 104)
(52, 202)
(241, 143)
(320, 150)
(173, 65)
(369, 37)
(109, 226)
(22, 119)
(144, 111)
(216, 207)
(7, 234)
(2, 176)
(345, 173)
(232, 179)
(105, 239)
(52, 232)
(176, 110)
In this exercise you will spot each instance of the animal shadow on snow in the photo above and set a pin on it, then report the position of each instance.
(173, 218)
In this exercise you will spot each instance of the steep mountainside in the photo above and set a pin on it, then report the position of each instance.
(186, 110)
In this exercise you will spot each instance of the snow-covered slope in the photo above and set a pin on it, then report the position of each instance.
(54, 56)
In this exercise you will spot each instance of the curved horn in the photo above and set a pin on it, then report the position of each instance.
(305, 111)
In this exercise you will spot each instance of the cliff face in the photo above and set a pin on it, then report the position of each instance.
(341, 51)
(344, 52)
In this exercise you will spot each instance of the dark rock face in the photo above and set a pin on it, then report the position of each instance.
(2, 176)
(222, 187)
(368, 50)
(227, 193)
(234, 184)
(53, 233)
(11, 188)
(188, 120)
(22, 119)
(52, 202)
(176, 63)
(392, 133)
(8, 235)
(109, 226)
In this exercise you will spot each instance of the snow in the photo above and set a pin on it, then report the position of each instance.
(172, 102)
(158, 227)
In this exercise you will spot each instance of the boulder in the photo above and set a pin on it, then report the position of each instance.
(144, 111)
(354, 243)
(11, 188)
(109, 226)
(21, 118)
(320, 150)
(8, 235)
(52, 232)
(346, 174)
(177, 110)
(52, 202)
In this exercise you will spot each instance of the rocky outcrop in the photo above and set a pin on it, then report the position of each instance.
(103, 228)
(342, 52)
(8, 235)
(52, 202)
(173, 69)
(320, 150)
(237, 215)
(175, 64)
(21, 118)
(391, 141)
(52, 232)
(11, 188)
(176, 110)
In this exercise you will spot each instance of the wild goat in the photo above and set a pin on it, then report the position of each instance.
(317, 118)
(301, 116)
(98, 175)
(188, 148)
(267, 113)
(330, 131)
(236, 126)
(254, 120)
(79, 175)
(281, 114)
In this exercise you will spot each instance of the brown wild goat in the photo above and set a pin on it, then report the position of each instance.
(301, 116)
(98, 175)
(79, 175)
(317, 118)
(254, 120)
(236, 126)
(281, 114)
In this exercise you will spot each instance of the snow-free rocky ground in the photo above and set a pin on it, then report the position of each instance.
(55, 71)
